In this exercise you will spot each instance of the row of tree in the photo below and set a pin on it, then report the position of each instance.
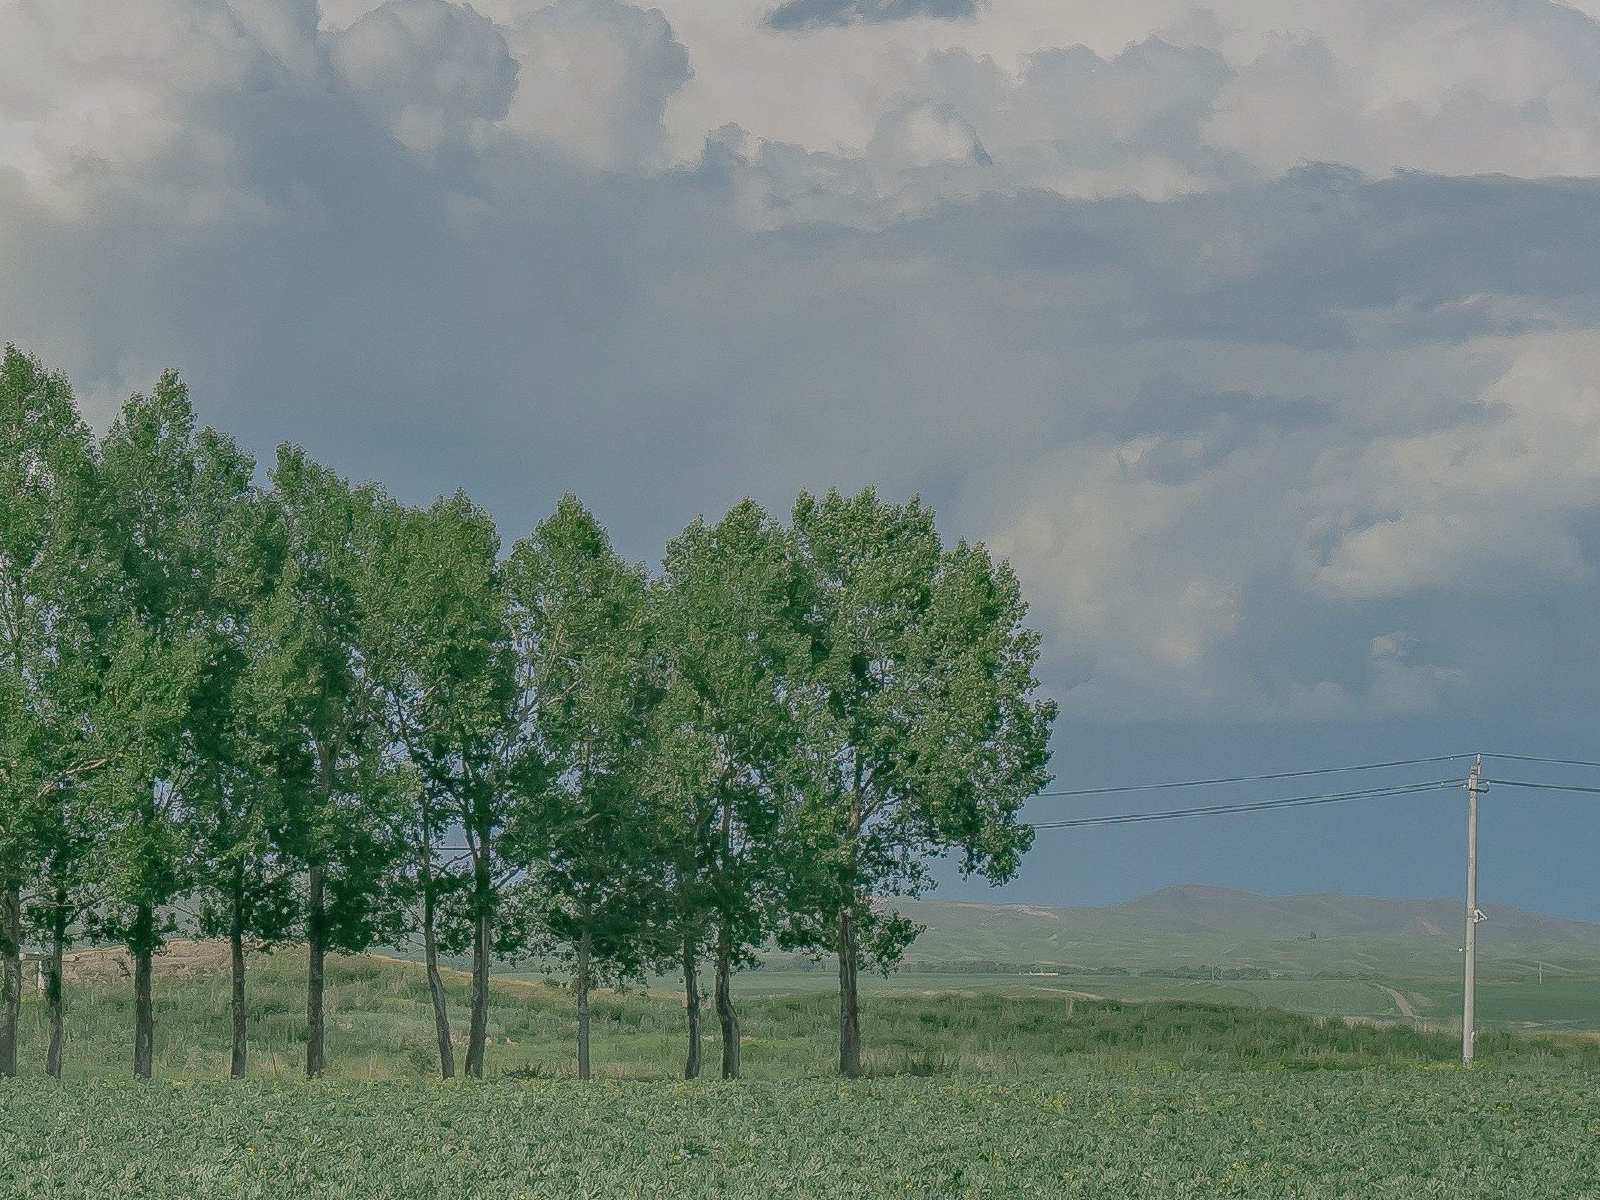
(305, 711)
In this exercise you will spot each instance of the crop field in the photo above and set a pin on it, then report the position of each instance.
(1373, 1134)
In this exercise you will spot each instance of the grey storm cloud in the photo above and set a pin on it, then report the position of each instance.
(813, 14)
(1205, 404)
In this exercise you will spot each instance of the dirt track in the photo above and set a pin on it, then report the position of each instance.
(1400, 1001)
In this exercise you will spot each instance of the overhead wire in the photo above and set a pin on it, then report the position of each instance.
(1406, 789)
(1186, 783)
(1534, 758)
(1544, 787)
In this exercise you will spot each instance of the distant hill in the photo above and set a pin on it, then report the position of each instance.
(1184, 928)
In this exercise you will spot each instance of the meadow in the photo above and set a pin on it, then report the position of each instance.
(380, 1026)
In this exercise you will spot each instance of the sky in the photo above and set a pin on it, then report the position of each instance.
(1261, 338)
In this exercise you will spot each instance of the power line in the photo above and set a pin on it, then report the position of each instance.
(1546, 787)
(1534, 758)
(1407, 789)
(1155, 787)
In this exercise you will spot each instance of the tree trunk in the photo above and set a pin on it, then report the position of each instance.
(478, 1031)
(691, 1004)
(143, 1002)
(10, 978)
(725, 1012)
(849, 1000)
(236, 1064)
(585, 948)
(54, 987)
(441, 1012)
(316, 938)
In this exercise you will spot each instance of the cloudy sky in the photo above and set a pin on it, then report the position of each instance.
(1262, 337)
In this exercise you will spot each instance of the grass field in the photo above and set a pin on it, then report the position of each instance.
(1324, 997)
(1560, 1003)
(1377, 1135)
(381, 1023)
(381, 1028)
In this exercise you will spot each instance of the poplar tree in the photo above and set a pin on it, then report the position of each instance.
(443, 657)
(728, 623)
(583, 827)
(177, 501)
(342, 798)
(66, 890)
(52, 607)
(925, 731)
(245, 885)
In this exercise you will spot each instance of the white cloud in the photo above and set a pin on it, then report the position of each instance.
(596, 77)
(1159, 96)
(431, 69)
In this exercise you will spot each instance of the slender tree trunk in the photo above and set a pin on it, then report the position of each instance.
(236, 1064)
(10, 978)
(725, 1011)
(726, 1015)
(54, 985)
(441, 1011)
(143, 1002)
(691, 1005)
(849, 999)
(316, 966)
(478, 1032)
(585, 948)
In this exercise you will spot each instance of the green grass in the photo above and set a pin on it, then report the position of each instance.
(1559, 1003)
(1178, 930)
(1378, 1135)
(381, 1028)
(1324, 997)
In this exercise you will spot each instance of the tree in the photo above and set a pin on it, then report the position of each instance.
(66, 889)
(52, 601)
(442, 656)
(317, 709)
(246, 887)
(728, 614)
(582, 824)
(925, 732)
(177, 501)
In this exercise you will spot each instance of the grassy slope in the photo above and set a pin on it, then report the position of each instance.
(1191, 926)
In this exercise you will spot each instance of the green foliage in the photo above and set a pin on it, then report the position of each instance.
(54, 606)
(177, 516)
(727, 616)
(315, 707)
(926, 734)
(583, 825)
(439, 653)
(1384, 1135)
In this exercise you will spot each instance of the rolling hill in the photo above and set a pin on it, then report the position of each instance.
(1184, 929)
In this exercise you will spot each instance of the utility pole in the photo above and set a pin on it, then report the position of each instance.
(1469, 992)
